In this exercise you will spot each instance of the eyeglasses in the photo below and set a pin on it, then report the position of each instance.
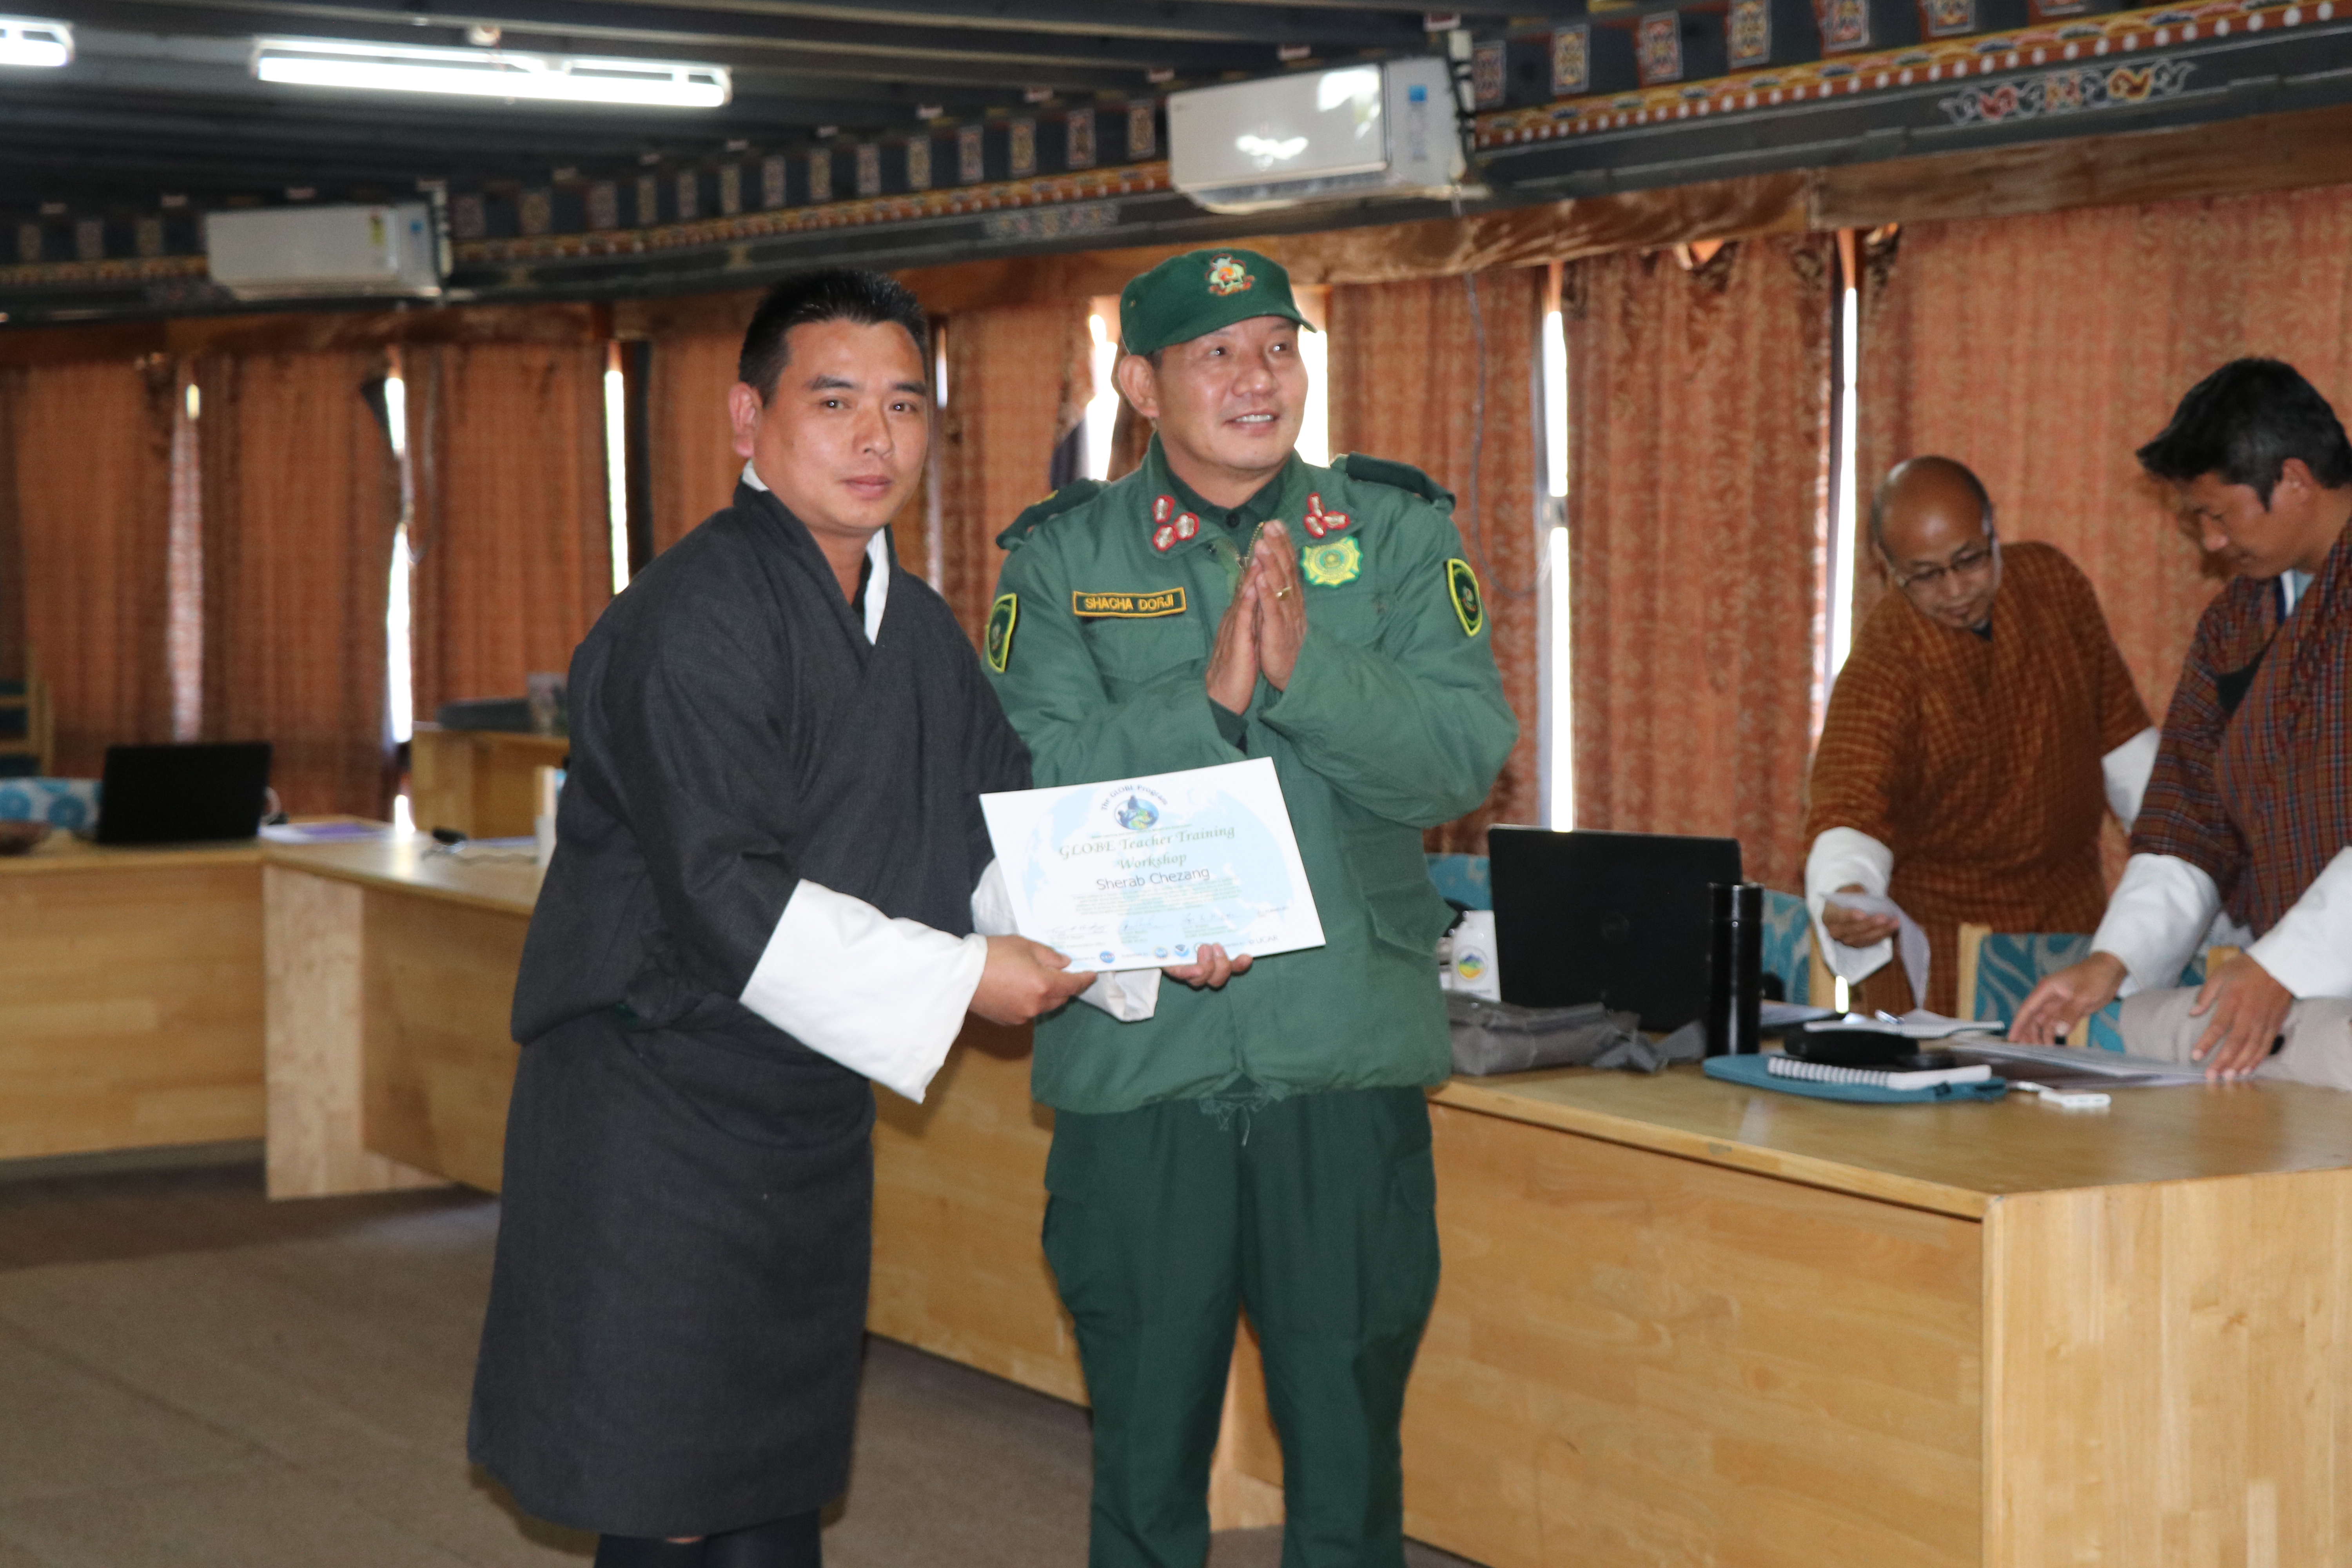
(1973, 562)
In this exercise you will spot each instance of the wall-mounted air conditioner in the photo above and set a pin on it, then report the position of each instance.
(1386, 130)
(276, 253)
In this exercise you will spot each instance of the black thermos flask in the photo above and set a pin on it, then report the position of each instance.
(1734, 971)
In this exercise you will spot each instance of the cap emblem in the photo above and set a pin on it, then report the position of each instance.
(1227, 275)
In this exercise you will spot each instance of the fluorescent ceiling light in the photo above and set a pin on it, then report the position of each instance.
(29, 41)
(491, 73)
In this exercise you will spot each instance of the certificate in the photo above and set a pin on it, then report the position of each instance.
(1139, 873)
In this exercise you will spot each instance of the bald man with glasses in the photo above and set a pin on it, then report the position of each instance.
(1980, 731)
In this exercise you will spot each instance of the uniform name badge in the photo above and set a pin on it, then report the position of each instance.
(1139, 873)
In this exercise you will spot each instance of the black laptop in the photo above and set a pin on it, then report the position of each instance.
(184, 795)
(1616, 918)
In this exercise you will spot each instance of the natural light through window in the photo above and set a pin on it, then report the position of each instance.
(1314, 430)
(1102, 409)
(1559, 690)
(616, 468)
(399, 696)
(1846, 535)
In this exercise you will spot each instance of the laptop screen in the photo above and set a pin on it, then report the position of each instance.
(1621, 919)
(184, 795)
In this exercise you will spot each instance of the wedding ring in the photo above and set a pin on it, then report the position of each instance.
(1282, 593)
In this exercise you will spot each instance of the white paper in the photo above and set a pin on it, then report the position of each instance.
(1139, 873)
(1910, 939)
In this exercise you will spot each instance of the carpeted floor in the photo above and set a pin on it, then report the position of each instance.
(191, 1376)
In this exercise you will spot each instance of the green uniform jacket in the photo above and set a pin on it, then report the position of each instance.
(1394, 721)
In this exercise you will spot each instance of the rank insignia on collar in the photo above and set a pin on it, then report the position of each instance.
(1319, 522)
(1462, 586)
(1163, 537)
(1187, 525)
(1329, 565)
(1163, 508)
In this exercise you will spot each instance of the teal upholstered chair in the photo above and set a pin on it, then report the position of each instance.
(1998, 968)
(1788, 945)
(1463, 879)
(1788, 933)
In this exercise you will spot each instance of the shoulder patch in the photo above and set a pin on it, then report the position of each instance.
(1001, 621)
(1396, 476)
(1462, 587)
(1070, 497)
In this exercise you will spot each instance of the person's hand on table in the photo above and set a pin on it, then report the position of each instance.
(1281, 605)
(2245, 1009)
(1852, 928)
(1024, 979)
(1212, 971)
(1233, 662)
(2066, 998)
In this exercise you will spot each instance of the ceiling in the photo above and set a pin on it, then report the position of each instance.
(162, 100)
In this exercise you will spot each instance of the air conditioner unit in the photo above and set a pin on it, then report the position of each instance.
(279, 253)
(1385, 129)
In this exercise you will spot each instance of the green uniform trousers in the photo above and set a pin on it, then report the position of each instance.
(1314, 1213)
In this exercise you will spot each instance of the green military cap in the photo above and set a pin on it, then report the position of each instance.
(1191, 295)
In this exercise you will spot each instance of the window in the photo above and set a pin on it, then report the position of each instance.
(1557, 741)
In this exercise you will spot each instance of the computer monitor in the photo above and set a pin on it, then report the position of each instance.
(1616, 918)
(184, 795)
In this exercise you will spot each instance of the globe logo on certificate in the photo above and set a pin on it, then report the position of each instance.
(1140, 872)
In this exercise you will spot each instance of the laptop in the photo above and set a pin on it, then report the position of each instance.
(1622, 919)
(184, 795)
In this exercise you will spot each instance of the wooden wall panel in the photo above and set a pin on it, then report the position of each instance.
(2172, 1375)
(130, 1008)
(316, 1030)
(1636, 1359)
(439, 988)
(959, 1214)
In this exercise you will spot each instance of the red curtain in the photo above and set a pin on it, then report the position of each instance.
(2040, 350)
(300, 497)
(512, 530)
(1699, 406)
(690, 440)
(84, 518)
(1405, 384)
(1012, 374)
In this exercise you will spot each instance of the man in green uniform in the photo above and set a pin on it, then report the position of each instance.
(1267, 1145)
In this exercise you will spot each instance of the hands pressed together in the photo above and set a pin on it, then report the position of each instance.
(2244, 1007)
(1263, 626)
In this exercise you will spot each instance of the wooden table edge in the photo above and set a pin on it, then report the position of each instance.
(1911, 1192)
(299, 858)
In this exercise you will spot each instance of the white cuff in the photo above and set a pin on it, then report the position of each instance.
(2126, 769)
(1130, 996)
(2161, 911)
(883, 997)
(1843, 857)
(2309, 952)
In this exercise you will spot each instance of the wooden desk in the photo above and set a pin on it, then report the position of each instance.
(390, 972)
(1680, 1322)
(479, 781)
(131, 996)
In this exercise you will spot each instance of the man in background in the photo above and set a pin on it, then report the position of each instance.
(1267, 1146)
(1980, 731)
(2250, 810)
